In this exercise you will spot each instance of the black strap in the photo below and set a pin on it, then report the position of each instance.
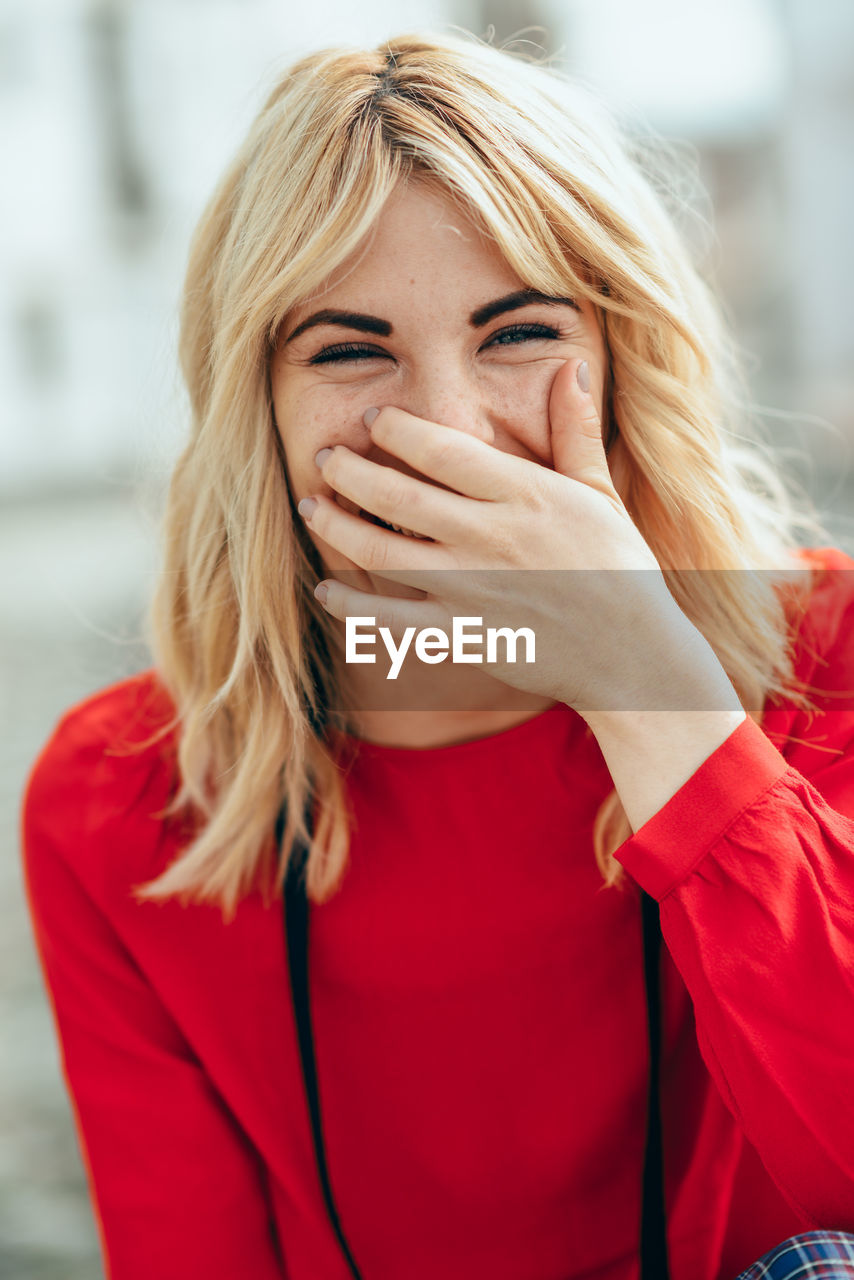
(296, 936)
(653, 1247)
(653, 1241)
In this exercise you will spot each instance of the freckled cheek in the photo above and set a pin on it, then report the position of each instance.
(308, 423)
(522, 408)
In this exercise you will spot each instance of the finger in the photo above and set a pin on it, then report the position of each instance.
(576, 428)
(376, 550)
(343, 601)
(447, 455)
(395, 497)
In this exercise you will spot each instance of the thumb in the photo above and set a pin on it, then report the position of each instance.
(576, 428)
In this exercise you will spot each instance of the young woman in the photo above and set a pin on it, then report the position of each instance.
(448, 361)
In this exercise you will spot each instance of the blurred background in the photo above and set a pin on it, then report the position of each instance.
(116, 118)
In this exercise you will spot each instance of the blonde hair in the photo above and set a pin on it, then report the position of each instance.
(240, 643)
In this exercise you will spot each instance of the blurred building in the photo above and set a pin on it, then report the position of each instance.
(117, 116)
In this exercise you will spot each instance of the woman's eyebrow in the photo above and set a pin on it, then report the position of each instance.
(478, 318)
(512, 301)
(346, 319)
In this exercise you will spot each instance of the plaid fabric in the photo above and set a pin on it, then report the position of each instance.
(813, 1255)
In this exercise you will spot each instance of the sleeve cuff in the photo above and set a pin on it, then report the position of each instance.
(668, 847)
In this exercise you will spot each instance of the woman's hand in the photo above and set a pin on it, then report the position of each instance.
(512, 542)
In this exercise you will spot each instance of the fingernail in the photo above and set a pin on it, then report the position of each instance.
(369, 415)
(320, 458)
(583, 376)
(321, 591)
(307, 507)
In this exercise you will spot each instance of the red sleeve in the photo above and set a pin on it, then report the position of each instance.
(176, 1187)
(752, 862)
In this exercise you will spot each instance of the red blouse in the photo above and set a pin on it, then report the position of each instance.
(477, 1000)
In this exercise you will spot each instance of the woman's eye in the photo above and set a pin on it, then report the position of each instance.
(347, 351)
(515, 333)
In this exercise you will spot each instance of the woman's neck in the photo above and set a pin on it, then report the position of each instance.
(434, 706)
(442, 728)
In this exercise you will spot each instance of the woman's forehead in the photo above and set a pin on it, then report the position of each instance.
(420, 236)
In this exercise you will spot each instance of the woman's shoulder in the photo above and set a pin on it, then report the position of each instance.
(106, 771)
(824, 614)
(819, 605)
(133, 719)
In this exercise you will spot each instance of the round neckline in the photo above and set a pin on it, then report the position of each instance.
(498, 740)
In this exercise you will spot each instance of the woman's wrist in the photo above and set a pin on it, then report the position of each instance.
(666, 727)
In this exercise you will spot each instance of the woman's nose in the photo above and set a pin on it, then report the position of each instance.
(453, 402)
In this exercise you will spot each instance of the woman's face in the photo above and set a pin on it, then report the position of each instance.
(426, 318)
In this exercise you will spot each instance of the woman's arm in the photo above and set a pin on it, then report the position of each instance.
(177, 1189)
(752, 861)
(651, 753)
